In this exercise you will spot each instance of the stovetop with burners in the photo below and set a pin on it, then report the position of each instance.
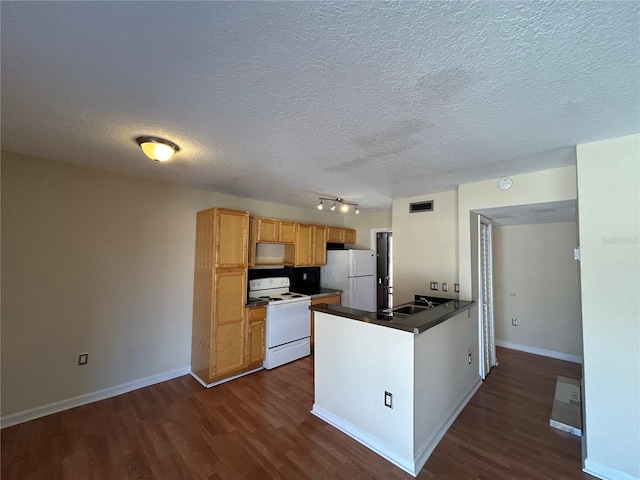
(275, 290)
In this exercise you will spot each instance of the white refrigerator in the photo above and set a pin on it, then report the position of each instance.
(353, 272)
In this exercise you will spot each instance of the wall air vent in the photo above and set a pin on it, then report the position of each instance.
(421, 207)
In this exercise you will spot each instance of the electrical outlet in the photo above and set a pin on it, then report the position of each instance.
(434, 286)
(445, 287)
(469, 356)
(388, 399)
(514, 322)
(456, 287)
(83, 358)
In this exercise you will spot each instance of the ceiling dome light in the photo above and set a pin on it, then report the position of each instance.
(344, 208)
(157, 149)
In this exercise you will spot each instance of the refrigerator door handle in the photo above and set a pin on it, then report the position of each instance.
(355, 266)
(354, 289)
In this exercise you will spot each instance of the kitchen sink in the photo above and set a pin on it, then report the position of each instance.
(409, 309)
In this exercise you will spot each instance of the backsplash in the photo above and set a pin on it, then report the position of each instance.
(303, 279)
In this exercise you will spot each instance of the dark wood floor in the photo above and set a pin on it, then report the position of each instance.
(259, 427)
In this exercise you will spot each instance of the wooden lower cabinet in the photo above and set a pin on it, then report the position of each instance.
(256, 321)
(228, 355)
(227, 335)
(329, 300)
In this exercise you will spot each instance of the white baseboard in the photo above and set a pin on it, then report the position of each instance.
(605, 473)
(427, 448)
(365, 438)
(540, 351)
(409, 465)
(44, 410)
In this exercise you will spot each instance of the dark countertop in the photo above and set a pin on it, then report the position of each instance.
(255, 302)
(324, 292)
(416, 324)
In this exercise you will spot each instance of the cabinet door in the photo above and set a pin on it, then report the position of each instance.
(335, 235)
(253, 230)
(255, 340)
(231, 238)
(304, 242)
(319, 245)
(286, 232)
(230, 294)
(349, 236)
(267, 230)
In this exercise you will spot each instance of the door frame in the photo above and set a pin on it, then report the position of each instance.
(483, 366)
(373, 245)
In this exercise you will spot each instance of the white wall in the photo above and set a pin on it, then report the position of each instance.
(425, 246)
(537, 187)
(98, 262)
(609, 224)
(351, 377)
(445, 380)
(428, 375)
(537, 281)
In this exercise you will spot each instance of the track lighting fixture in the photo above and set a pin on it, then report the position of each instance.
(344, 205)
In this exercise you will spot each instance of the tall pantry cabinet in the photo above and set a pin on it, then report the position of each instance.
(220, 294)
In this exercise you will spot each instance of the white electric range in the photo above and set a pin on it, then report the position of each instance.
(288, 320)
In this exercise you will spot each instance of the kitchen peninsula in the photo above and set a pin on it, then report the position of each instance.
(395, 384)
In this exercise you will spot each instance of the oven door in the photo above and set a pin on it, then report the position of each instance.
(287, 323)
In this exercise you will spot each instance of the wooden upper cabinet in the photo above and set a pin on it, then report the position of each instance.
(319, 245)
(271, 230)
(349, 236)
(267, 230)
(286, 232)
(300, 253)
(341, 235)
(335, 235)
(252, 250)
(231, 238)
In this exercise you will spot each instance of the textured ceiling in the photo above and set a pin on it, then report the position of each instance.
(289, 101)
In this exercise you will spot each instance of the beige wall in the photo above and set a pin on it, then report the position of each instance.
(436, 246)
(425, 246)
(609, 223)
(537, 187)
(537, 281)
(364, 222)
(99, 262)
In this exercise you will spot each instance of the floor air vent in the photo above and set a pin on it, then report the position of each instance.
(421, 207)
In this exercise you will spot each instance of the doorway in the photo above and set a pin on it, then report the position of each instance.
(384, 269)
